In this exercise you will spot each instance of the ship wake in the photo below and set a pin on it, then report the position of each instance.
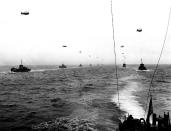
(128, 99)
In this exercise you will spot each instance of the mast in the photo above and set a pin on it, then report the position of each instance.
(114, 51)
(150, 110)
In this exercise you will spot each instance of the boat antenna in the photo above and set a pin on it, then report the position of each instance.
(114, 45)
(151, 82)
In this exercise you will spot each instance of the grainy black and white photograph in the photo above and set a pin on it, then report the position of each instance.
(85, 65)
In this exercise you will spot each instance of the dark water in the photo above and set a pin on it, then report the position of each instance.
(78, 95)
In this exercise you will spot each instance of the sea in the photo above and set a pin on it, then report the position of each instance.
(80, 98)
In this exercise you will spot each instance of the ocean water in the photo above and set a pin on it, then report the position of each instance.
(81, 98)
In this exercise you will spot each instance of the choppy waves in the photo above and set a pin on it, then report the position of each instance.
(77, 97)
(28, 99)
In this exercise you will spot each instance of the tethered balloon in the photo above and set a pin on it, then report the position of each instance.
(25, 13)
(139, 30)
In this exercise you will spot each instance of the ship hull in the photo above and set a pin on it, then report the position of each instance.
(20, 70)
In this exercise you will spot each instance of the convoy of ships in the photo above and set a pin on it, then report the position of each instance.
(22, 68)
(129, 124)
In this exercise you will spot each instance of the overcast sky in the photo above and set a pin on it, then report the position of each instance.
(83, 25)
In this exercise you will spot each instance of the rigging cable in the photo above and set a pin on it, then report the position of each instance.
(151, 82)
(114, 45)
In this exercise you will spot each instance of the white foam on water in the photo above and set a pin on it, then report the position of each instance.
(166, 98)
(143, 70)
(127, 99)
(7, 72)
(3, 72)
(41, 70)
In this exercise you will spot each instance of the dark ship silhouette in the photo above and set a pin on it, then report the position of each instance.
(21, 68)
(62, 66)
(142, 67)
(124, 65)
(80, 65)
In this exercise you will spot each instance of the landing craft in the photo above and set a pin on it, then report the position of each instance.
(25, 13)
(139, 30)
(124, 65)
(64, 46)
(142, 67)
(122, 46)
(20, 69)
(62, 66)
